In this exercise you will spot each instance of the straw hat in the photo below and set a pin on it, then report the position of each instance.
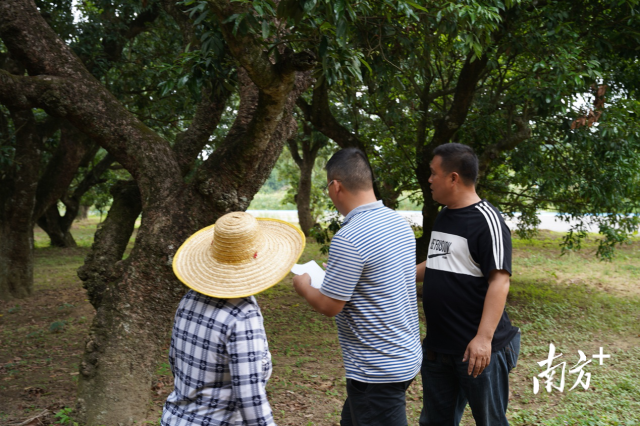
(238, 256)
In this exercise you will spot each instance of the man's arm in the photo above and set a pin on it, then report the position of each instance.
(479, 349)
(318, 301)
(420, 269)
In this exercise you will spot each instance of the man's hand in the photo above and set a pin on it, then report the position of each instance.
(479, 349)
(420, 270)
(478, 354)
(300, 282)
(318, 301)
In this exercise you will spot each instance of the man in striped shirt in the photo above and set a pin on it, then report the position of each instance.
(471, 345)
(369, 287)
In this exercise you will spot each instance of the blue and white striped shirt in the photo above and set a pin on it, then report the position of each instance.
(372, 266)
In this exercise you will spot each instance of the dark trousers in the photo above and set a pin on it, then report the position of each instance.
(448, 388)
(375, 404)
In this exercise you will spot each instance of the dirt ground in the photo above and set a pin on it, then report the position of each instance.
(42, 340)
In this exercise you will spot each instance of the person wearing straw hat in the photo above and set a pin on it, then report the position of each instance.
(370, 288)
(219, 354)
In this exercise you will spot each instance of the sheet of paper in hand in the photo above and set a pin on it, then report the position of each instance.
(315, 272)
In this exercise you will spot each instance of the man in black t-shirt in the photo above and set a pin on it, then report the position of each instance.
(471, 345)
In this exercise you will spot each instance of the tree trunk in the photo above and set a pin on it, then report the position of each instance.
(16, 259)
(445, 129)
(17, 201)
(113, 360)
(73, 150)
(430, 208)
(57, 227)
(83, 212)
(310, 144)
(429, 212)
(303, 198)
(137, 302)
(320, 116)
(111, 240)
(50, 222)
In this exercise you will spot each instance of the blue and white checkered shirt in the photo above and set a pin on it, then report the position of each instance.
(221, 363)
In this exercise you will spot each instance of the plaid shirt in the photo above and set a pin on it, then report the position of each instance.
(221, 363)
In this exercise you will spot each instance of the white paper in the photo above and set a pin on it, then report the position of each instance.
(315, 272)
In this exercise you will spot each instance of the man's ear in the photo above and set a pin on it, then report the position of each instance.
(455, 177)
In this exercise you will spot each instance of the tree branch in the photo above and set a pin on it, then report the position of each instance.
(68, 90)
(62, 168)
(33, 43)
(270, 78)
(293, 149)
(92, 178)
(319, 114)
(506, 144)
(465, 89)
(190, 143)
(113, 46)
(243, 161)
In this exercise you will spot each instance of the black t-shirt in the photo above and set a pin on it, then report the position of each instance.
(466, 245)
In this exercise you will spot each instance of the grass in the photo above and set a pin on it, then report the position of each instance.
(577, 303)
(574, 301)
(272, 200)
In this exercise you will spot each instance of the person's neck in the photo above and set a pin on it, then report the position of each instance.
(464, 199)
(358, 199)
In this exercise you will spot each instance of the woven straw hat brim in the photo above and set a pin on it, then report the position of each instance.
(197, 269)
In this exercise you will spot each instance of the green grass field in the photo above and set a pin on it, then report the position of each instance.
(574, 301)
(264, 200)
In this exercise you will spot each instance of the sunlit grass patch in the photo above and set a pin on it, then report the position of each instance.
(270, 201)
(576, 302)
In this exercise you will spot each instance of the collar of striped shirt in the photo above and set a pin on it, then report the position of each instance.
(362, 208)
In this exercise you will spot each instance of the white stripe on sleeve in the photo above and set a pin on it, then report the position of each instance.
(493, 232)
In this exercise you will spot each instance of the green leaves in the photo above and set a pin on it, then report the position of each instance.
(295, 10)
(394, 68)
(322, 49)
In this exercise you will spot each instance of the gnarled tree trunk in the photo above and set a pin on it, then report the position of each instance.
(136, 306)
(17, 202)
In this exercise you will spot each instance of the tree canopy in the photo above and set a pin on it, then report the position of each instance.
(196, 100)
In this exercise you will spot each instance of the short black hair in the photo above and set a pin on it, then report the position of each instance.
(351, 168)
(459, 158)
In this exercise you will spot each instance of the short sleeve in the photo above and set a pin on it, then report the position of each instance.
(344, 269)
(248, 350)
(492, 245)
